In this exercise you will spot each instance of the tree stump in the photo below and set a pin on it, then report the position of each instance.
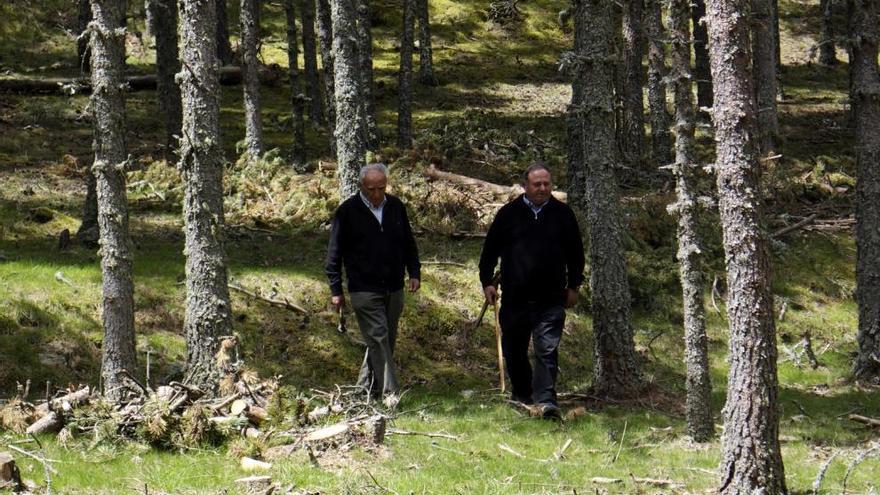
(10, 477)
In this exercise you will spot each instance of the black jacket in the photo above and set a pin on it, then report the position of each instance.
(374, 256)
(540, 257)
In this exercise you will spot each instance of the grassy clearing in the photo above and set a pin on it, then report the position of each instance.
(500, 106)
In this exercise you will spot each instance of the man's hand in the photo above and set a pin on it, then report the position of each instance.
(337, 302)
(571, 298)
(414, 284)
(491, 294)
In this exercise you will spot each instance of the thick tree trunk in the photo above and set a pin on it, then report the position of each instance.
(208, 310)
(661, 141)
(632, 145)
(404, 85)
(250, 36)
(702, 72)
(83, 17)
(297, 98)
(108, 105)
(827, 45)
(164, 16)
(325, 38)
(617, 367)
(866, 115)
(224, 47)
(426, 54)
(350, 132)
(764, 72)
(698, 406)
(751, 460)
(365, 50)
(314, 104)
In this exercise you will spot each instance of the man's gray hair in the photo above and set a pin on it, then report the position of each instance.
(373, 166)
(531, 168)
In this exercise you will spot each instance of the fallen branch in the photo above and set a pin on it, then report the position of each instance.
(821, 474)
(507, 449)
(42, 460)
(803, 223)
(858, 460)
(436, 174)
(274, 302)
(423, 434)
(858, 418)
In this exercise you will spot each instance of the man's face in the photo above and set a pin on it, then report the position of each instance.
(373, 187)
(538, 186)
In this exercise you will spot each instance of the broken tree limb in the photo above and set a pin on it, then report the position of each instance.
(803, 223)
(274, 302)
(229, 76)
(51, 422)
(433, 172)
(394, 431)
(73, 399)
(865, 420)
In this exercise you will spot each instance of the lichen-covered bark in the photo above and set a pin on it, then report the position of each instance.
(661, 141)
(617, 369)
(702, 72)
(208, 310)
(325, 38)
(866, 112)
(426, 54)
(764, 72)
(632, 145)
(164, 16)
(698, 405)
(108, 105)
(350, 132)
(577, 170)
(297, 98)
(87, 235)
(365, 51)
(253, 125)
(827, 46)
(404, 84)
(224, 47)
(314, 104)
(751, 461)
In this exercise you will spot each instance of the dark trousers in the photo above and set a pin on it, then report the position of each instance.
(377, 315)
(543, 324)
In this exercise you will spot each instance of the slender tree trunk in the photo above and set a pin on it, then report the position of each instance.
(298, 151)
(827, 48)
(325, 37)
(617, 368)
(164, 16)
(866, 114)
(751, 460)
(224, 48)
(108, 104)
(698, 407)
(350, 132)
(314, 104)
(88, 232)
(365, 49)
(208, 310)
(632, 146)
(426, 54)
(661, 141)
(83, 54)
(572, 64)
(250, 26)
(764, 71)
(404, 86)
(702, 73)
(777, 45)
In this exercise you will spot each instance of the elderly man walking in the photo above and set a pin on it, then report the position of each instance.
(371, 239)
(542, 264)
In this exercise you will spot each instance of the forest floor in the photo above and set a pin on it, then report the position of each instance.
(501, 104)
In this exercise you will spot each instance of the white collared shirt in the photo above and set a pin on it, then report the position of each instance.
(375, 210)
(535, 208)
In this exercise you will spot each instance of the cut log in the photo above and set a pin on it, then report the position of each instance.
(328, 432)
(252, 433)
(865, 420)
(376, 429)
(256, 414)
(72, 400)
(10, 477)
(229, 76)
(49, 423)
(238, 407)
(248, 464)
(433, 172)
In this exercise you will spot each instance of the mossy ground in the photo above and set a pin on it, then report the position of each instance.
(499, 106)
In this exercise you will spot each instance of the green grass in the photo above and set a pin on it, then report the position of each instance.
(499, 107)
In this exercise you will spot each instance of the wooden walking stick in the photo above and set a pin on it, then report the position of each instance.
(498, 345)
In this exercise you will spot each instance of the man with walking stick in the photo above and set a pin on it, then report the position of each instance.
(542, 264)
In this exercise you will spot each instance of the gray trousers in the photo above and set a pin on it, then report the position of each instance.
(377, 315)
